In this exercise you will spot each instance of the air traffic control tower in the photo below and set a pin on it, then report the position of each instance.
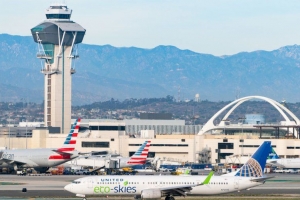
(57, 38)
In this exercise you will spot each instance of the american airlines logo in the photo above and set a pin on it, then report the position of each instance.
(9, 156)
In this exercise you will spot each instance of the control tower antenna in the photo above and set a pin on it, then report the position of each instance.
(57, 38)
(178, 94)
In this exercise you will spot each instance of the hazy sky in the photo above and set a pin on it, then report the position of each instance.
(218, 27)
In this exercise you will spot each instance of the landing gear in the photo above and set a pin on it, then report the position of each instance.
(169, 198)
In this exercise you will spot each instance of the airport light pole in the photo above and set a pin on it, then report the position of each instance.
(195, 117)
(26, 134)
(8, 131)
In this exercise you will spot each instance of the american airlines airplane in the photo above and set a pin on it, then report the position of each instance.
(42, 159)
(288, 163)
(155, 187)
(97, 162)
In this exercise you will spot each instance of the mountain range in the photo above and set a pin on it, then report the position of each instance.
(105, 72)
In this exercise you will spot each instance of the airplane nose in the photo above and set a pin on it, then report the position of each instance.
(68, 187)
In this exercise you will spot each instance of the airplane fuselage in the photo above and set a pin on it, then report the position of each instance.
(99, 162)
(134, 185)
(34, 157)
(290, 163)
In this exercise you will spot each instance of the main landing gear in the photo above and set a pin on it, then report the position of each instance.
(169, 198)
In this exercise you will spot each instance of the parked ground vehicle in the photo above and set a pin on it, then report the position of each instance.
(22, 172)
(162, 169)
(82, 172)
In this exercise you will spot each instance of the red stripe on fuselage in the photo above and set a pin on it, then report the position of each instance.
(59, 157)
(65, 149)
(136, 163)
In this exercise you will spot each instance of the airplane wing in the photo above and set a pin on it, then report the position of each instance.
(185, 189)
(178, 190)
(262, 179)
(12, 162)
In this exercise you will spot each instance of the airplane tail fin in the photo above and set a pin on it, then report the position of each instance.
(140, 156)
(273, 154)
(255, 166)
(70, 142)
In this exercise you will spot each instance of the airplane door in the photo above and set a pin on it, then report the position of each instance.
(107, 163)
(90, 183)
(236, 184)
(118, 164)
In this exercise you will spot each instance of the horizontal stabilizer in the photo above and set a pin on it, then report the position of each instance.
(62, 153)
(262, 179)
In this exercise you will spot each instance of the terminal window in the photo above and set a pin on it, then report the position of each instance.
(95, 144)
(225, 146)
(253, 146)
(107, 128)
(223, 155)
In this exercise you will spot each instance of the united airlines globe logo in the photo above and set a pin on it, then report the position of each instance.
(251, 169)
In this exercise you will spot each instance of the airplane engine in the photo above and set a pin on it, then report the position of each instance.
(151, 194)
(41, 169)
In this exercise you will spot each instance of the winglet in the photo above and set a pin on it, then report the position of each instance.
(207, 180)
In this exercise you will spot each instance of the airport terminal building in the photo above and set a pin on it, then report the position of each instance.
(171, 140)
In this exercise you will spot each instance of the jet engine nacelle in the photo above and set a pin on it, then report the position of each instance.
(41, 169)
(151, 194)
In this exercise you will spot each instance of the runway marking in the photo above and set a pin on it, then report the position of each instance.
(11, 183)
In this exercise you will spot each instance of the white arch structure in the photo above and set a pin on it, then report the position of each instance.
(280, 108)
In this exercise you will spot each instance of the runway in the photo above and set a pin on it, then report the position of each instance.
(53, 187)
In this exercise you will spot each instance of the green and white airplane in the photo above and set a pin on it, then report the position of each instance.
(155, 187)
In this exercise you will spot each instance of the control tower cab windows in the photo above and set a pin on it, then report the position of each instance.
(58, 16)
(59, 7)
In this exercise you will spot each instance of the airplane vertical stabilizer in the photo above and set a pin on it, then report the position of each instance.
(255, 166)
(140, 156)
(273, 154)
(70, 142)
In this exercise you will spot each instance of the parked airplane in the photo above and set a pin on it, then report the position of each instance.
(155, 187)
(111, 161)
(289, 163)
(43, 158)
